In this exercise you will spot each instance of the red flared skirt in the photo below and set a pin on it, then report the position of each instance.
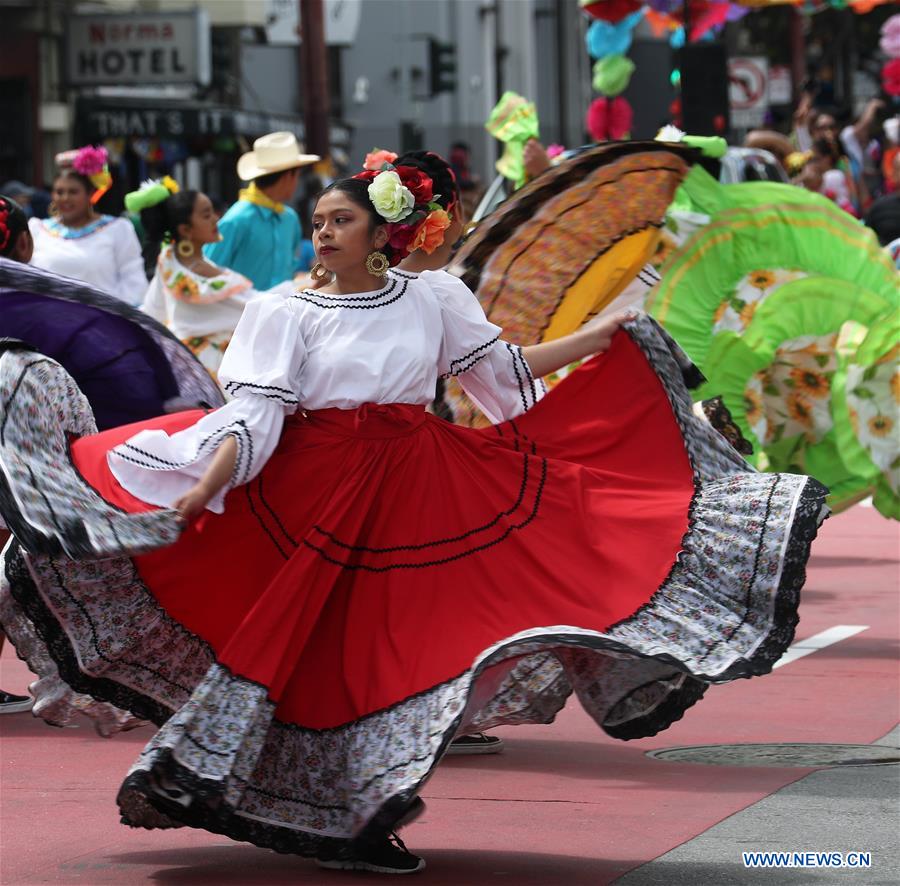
(381, 549)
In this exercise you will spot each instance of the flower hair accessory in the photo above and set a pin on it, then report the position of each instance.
(151, 193)
(404, 197)
(5, 232)
(92, 162)
(377, 158)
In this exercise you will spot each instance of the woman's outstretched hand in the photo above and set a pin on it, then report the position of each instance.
(193, 502)
(605, 328)
(593, 338)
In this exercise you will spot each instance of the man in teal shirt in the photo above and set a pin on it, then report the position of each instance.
(260, 233)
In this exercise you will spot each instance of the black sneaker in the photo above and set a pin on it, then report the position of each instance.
(13, 704)
(387, 856)
(477, 743)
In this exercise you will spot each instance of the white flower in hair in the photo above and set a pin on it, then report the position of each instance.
(392, 200)
(669, 133)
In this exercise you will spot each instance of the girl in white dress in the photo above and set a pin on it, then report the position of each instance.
(78, 242)
(200, 302)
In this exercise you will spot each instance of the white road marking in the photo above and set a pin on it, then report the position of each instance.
(818, 641)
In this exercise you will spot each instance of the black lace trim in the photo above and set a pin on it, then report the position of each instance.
(808, 516)
(719, 416)
(672, 709)
(209, 811)
(512, 353)
(466, 362)
(379, 300)
(237, 429)
(281, 395)
(25, 593)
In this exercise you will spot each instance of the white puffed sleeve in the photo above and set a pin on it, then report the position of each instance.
(261, 370)
(492, 372)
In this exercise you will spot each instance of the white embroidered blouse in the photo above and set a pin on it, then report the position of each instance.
(314, 351)
(106, 254)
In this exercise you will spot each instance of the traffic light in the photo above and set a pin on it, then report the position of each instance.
(441, 66)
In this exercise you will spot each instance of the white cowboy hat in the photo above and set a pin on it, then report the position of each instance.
(274, 152)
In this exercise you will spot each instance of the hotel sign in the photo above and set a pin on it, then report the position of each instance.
(137, 50)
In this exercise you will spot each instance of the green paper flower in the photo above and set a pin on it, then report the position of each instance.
(612, 74)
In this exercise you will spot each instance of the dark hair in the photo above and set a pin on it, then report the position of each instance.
(819, 113)
(83, 180)
(269, 179)
(160, 222)
(357, 190)
(825, 147)
(12, 222)
(438, 170)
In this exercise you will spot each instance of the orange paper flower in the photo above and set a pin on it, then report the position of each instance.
(430, 234)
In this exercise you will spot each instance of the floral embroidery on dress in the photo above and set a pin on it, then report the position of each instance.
(183, 285)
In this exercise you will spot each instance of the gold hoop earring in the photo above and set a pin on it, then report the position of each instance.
(185, 248)
(319, 272)
(377, 264)
(52, 209)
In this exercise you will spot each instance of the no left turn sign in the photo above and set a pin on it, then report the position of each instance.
(747, 83)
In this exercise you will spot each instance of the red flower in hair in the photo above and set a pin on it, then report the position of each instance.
(4, 229)
(367, 174)
(417, 181)
(400, 237)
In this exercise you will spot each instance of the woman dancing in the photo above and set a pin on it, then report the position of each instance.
(314, 588)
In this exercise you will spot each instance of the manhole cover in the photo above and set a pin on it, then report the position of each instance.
(806, 755)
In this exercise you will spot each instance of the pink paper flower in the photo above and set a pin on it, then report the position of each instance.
(90, 160)
(890, 37)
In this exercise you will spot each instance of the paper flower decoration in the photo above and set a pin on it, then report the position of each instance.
(890, 77)
(612, 74)
(609, 119)
(610, 10)
(890, 37)
(605, 39)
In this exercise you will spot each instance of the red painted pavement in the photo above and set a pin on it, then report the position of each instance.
(563, 804)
